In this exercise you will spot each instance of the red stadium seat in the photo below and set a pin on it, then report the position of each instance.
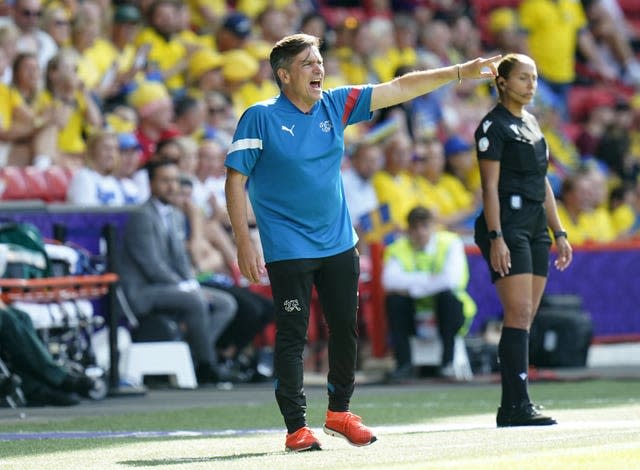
(630, 8)
(36, 183)
(13, 184)
(58, 179)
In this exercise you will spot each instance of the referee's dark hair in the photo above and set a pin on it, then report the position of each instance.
(419, 216)
(506, 65)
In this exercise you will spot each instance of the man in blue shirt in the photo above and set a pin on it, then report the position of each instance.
(288, 151)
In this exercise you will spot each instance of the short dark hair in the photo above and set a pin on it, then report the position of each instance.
(419, 216)
(152, 166)
(184, 104)
(287, 48)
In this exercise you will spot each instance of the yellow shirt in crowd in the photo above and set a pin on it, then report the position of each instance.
(164, 54)
(70, 137)
(218, 7)
(396, 191)
(594, 226)
(552, 28)
(10, 99)
(95, 61)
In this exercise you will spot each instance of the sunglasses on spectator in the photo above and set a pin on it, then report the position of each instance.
(61, 23)
(32, 13)
(217, 110)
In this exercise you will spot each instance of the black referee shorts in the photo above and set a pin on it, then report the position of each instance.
(525, 232)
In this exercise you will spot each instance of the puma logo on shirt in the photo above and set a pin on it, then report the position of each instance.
(285, 128)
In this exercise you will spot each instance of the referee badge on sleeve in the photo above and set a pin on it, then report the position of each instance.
(483, 144)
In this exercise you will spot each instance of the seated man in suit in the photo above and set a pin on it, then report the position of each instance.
(425, 269)
(158, 277)
(44, 381)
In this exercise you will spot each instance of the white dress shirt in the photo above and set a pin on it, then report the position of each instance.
(421, 284)
(359, 193)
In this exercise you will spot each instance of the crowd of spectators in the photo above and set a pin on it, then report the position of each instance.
(100, 88)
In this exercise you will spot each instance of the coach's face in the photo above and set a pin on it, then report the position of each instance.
(302, 81)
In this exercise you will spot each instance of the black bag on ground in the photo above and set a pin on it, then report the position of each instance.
(561, 333)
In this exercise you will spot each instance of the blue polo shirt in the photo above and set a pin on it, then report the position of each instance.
(292, 160)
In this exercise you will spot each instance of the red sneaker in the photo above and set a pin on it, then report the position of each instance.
(348, 426)
(302, 440)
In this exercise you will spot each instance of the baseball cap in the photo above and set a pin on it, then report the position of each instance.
(238, 24)
(202, 61)
(126, 14)
(128, 141)
(146, 98)
(455, 145)
(239, 65)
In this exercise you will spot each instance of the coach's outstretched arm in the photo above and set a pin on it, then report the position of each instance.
(413, 84)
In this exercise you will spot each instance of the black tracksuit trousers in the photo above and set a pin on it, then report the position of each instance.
(336, 281)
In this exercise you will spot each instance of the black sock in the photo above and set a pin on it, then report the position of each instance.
(293, 426)
(513, 352)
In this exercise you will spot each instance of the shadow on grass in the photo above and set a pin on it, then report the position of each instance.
(180, 461)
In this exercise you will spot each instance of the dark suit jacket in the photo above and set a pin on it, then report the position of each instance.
(149, 257)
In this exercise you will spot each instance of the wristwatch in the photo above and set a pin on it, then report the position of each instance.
(560, 233)
(493, 234)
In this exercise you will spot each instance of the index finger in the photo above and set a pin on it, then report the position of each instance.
(491, 63)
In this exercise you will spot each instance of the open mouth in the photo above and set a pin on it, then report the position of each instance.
(316, 84)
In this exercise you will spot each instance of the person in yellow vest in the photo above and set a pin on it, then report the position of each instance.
(426, 269)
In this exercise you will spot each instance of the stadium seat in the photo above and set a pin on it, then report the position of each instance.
(13, 184)
(36, 183)
(631, 8)
(57, 180)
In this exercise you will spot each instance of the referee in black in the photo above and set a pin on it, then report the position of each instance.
(513, 229)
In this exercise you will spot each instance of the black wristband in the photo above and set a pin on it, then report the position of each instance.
(493, 234)
(560, 233)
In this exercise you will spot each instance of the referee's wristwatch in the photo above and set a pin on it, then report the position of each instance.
(560, 233)
(494, 234)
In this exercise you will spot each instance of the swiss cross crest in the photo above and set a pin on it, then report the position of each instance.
(291, 305)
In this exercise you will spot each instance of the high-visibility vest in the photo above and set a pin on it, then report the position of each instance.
(433, 263)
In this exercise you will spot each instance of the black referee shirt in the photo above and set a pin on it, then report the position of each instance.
(518, 144)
